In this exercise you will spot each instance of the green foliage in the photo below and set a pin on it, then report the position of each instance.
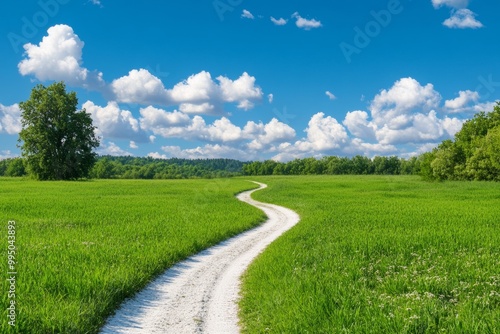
(84, 247)
(378, 254)
(12, 167)
(57, 140)
(472, 156)
(108, 167)
(332, 165)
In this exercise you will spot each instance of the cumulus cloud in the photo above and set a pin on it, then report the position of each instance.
(203, 152)
(462, 19)
(113, 122)
(486, 106)
(358, 125)
(197, 88)
(203, 108)
(462, 102)
(153, 118)
(252, 137)
(393, 107)
(402, 119)
(358, 146)
(270, 98)
(324, 133)
(198, 94)
(247, 15)
(279, 22)
(266, 134)
(10, 119)
(242, 90)
(306, 24)
(450, 3)
(59, 57)
(330, 95)
(140, 86)
(110, 148)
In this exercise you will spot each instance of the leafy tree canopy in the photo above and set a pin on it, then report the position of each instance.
(57, 141)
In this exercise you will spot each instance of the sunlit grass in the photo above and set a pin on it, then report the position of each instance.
(378, 255)
(83, 247)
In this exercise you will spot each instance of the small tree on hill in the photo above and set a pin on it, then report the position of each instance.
(57, 140)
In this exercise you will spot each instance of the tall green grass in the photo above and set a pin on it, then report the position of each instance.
(83, 247)
(378, 255)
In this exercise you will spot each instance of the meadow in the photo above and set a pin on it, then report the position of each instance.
(84, 247)
(375, 254)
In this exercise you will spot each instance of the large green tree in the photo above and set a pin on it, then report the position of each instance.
(57, 140)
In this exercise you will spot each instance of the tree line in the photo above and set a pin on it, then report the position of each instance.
(473, 155)
(127, 167)
(333, 165)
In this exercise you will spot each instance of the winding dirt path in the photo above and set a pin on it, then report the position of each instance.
(200, 294)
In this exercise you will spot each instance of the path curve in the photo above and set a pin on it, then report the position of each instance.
(200, 294)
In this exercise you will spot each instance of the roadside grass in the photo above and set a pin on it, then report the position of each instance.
(375, 254)
(84, 247)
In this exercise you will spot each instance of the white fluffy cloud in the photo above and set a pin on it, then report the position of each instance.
(462, 19)
(256, 135)
(247, 15)
(10, 119)
(112, 122)
(450, 3)
(324, 133)
(266, 134)
(358, 125)
(242, 90)
(279, 22)
(198, 94)
(203, 152)
(422, 128)
(402, 119)
(462, 102)
(395, 106)
(405, 114)
(196, 89)
(59, 57)
(305, 23)
(140, 86)
(154, 118)
(486, 106)
(111, 148)
(358, 146)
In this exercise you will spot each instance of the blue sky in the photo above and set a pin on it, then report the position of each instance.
(256, 79)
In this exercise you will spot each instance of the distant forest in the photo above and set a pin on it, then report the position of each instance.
(109, 167)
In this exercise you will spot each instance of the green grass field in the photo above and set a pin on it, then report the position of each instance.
(83, 247)
(378, 254)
